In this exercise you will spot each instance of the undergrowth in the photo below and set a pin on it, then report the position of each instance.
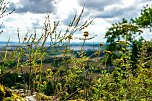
(124, 73)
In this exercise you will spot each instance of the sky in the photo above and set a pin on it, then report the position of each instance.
(29, 16)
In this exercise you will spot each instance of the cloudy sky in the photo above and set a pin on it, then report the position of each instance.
(29, 15)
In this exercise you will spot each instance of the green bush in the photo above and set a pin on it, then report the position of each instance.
(68, 76)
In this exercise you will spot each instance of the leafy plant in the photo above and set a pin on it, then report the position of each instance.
(54, 70)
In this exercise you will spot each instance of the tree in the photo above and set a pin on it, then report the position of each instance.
(3, 10)
(145, 19)
(120, 38)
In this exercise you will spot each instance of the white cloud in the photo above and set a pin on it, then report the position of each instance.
(66, 7)
(105, 12)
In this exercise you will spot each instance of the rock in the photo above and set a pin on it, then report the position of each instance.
(30, 98)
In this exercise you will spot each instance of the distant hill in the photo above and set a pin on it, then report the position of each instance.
(73, 45)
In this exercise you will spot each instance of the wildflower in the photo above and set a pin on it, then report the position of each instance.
(44, 82)
(81, 91)
(97, 53)
(85, 34)
(107, 52)
(49, 70)
(142, 65)
(70, 37)
(101, 44)
(2, 89)
(123, 42)
(36, 82)
(37, 66)
(121, 60)
(49, 76)
(25, 38)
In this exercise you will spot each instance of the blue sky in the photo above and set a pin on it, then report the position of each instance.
(30, 15)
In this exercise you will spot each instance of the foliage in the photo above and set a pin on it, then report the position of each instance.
(145, 19)
(7, 95)
(121, 37)
(68, 77)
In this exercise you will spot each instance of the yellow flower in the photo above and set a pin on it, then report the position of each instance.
(70, 37)
(44, 82)
(49, 76)
(107, 52)
(97, 53)
(142, 65)
(36, 82)
(101, 44)
(2, 90)
(85, 34)
(49, 70)
(121, 60)
(25, 38)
